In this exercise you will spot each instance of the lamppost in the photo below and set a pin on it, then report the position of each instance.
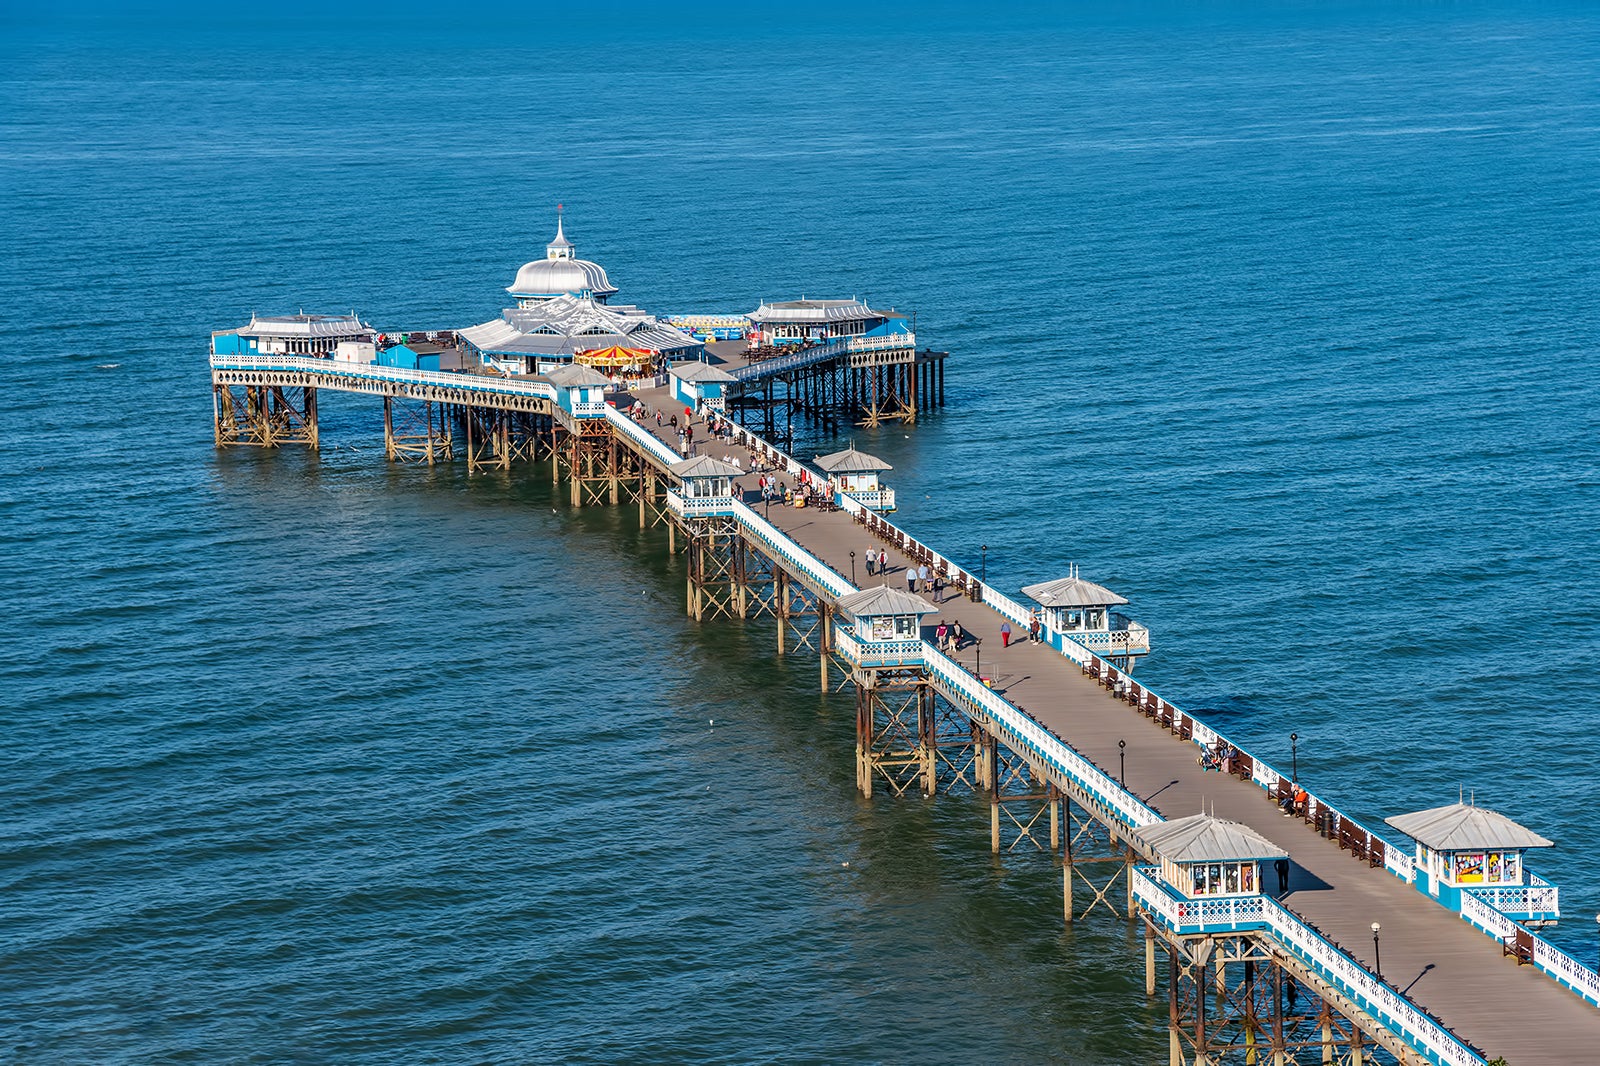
(852, 568)
(983, 565)
(1122, 762)
(1294, 757)
(977, 649)
(1377, 959)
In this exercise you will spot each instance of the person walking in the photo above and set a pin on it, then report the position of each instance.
(1033, 627)
(1282, 867)
(872, 561)
(957, 634)
(943, 632)
(938, 587)
(1005, 635)
(911, 579)
(923, 577)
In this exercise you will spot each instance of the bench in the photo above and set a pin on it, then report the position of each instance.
(1519, 946)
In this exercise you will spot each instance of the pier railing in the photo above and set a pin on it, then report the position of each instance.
(641, 436)
(1419, 1029)
(340, 368)
(1023, 734)
(878, 652)
(820, 573)
(832, 348)
(1538, 896)
(1541, 953)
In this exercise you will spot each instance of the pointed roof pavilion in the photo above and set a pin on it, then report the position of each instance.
(882, 600)
(1465, 827)
(1207, 838)
(851, 461)
(705, 466)
(575, 375)
(700, 372)
(1073, 591)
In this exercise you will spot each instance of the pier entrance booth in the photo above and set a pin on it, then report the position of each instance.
(706, 487)
(580, 390)
(1463, 849)
(885, 627)
(1081, 611)
(700, 386)
(1211, 874)
(855, 474)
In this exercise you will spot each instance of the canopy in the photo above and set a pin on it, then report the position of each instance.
(1204, 838)
(616, 355)
(1462, 826)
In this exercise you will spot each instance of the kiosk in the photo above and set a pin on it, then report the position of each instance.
(885, 627)
(1079, 610)
(706, 487)
(855, 474)
(1462, 848)
(699, 385)
(1211, 874)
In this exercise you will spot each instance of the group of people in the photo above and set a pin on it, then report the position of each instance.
(951, 636)
(1294, 801)
(1219, 756)
(920, 577)
(1035, 630)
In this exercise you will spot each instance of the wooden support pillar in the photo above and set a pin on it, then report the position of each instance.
(388, 428)
(313, 437)
(1149, 960)
(780, 585)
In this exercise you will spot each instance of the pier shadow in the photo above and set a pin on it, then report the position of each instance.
(1301, 880)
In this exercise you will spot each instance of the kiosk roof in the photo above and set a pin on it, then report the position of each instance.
(1463, 827)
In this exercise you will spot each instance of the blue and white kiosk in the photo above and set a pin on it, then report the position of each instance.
(706, 487)
(885, 627)
(1210, 877)
(700, 386)
(580, 390)
(855, 474)
(1463, 848)
(1079, 610)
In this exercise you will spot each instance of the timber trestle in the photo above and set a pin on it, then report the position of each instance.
(925, 724)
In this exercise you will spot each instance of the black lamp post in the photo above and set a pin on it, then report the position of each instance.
(852, 568)
(1377, 959)
(977, 649)
(983, 565)
(1294, 757)
(1122, 763)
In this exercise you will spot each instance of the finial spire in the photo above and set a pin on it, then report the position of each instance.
(560, 248)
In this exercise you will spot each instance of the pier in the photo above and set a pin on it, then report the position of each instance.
(1371, 951)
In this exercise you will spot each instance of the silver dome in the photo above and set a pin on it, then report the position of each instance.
(554, 277)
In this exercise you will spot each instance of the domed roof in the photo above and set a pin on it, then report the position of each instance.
(561, 272)
(553, 277)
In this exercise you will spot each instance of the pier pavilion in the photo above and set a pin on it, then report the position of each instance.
(563, 311)
(818, 321)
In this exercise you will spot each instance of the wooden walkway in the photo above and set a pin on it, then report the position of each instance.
(1429, 953)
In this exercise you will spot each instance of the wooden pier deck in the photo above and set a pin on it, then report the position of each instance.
(1438, 960)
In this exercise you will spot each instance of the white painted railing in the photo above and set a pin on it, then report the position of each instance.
(641, 436)
(878, 500)
(1549, 958)
(793, 361)
(1537, 897)
(1117, 641)
(338, 368)
(1384, 1004)
(797, 557)
(881, 343)
(1184, 915)
(699, 506)
(877, 652)
(1023, 734)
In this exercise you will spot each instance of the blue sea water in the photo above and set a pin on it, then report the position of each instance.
(1280, 321)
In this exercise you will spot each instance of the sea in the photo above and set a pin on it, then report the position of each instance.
(1280, 320)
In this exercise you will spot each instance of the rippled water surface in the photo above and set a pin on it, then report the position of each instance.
(1281, 325)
